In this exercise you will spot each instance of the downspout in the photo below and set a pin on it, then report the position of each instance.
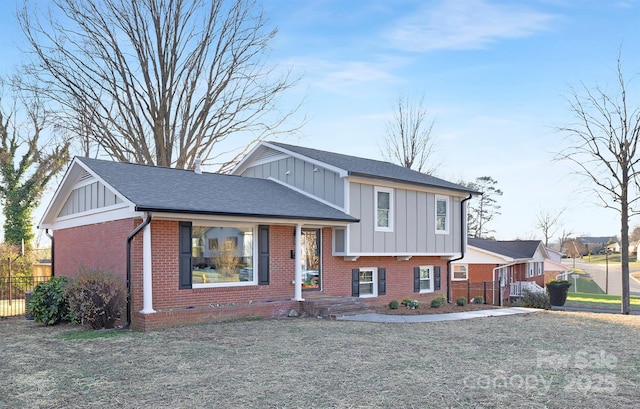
(53, 244)
(463, 240)
(130, 237)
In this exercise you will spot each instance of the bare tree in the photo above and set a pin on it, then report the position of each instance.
(549, 223)
(159, 81)
(603, 146)
(564, 238)
(635, 234)
(409, 139)
(483, 208)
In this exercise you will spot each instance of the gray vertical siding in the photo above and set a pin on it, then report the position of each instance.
(313, 179)
(413, 223)
(88, 197)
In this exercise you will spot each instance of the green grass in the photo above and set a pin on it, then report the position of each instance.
(613, 258)
(584, 284)
(604, 299)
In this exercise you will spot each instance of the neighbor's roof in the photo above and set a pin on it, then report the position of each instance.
(161, 189)
(517, 249)
(357, 166)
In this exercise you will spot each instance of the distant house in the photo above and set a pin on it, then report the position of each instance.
(291, 226)
(506, 266)
(593, 245)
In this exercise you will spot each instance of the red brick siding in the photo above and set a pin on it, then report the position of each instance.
(97, 246)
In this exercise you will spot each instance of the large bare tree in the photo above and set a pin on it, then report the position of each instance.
(409, 139)
(549, 222)
(603, 146)
(159, 81)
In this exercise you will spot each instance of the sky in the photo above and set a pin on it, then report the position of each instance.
(495, 76)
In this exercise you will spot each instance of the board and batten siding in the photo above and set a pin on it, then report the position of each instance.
(313, 179)
(89, 197)
(413, 223)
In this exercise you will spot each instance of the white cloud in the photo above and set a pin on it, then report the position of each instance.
(466, 24)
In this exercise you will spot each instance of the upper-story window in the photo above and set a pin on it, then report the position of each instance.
(442, 214)
(384, 209)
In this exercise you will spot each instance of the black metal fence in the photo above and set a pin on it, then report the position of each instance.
(489, 290)
(13, 290)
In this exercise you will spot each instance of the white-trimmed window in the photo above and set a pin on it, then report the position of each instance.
(426, 279)
(535, 268)
(442, 214)
(384, 209)
(223, 255)
(460, 272)
(368, 282)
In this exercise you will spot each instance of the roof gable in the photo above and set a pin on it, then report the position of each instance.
(159, 189)
(516, 249)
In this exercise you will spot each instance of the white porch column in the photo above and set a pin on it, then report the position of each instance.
(147, 283)
(298, 275)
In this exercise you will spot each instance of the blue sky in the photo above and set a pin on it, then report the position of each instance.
(494, 74)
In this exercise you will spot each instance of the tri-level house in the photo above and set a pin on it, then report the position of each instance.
(290, 225)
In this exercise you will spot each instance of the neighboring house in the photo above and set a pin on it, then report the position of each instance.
(291, 225)
(593, 245)
(510, 265)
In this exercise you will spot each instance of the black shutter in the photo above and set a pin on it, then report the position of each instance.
(382, 281)
(416, 279)
(436, 279)
(355, 282)
(185, 255)
(263, 255)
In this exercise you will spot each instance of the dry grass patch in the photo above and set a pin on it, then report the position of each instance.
(310, 363)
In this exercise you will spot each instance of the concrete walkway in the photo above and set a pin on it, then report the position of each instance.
(453, 316)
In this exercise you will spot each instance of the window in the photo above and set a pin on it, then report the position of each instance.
(426, 279)
(460, 272)
(534, 268)
(339, 240)
(442, 214)
(384, 209)
(228, 258)
(367, 282)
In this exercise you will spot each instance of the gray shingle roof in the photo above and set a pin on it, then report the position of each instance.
(514, 249)
(373, 168)
(161, 189)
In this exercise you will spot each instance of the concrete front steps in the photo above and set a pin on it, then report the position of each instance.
(334, 307)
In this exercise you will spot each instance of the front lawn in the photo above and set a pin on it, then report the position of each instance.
(544, 359)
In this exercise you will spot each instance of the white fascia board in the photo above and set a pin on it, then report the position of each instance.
(247, 160)
(211, 218)
(476, 255)
(408, 186)
(101, 215)
(396, 254)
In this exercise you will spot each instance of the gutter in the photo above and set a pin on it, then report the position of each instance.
(53, 247)
(463, 238)
(130, 237)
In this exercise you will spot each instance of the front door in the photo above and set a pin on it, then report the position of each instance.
(311, 266)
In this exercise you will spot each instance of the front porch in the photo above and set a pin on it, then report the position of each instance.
(517, 289)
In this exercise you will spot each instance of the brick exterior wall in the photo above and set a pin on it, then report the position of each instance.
(104, 246)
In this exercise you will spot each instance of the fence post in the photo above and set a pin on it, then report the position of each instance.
(468, 290)
(484, 284)
(9, 268)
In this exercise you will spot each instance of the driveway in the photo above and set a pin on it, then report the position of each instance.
(599, 272)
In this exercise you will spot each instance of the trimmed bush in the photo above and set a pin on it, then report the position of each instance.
(478, 299)
(48, 303)
(413, 304)
(406, 300)
(97, 298)
(534, 300)
(394, 305)
(436, 303)
(461, 301)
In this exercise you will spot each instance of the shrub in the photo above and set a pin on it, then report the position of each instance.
(394, 305)
(478, 299)
(534, 300)
(436, 303)
(48, 303)
(97, 298)
(461, 301)
(413, 304)
(406, 300)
